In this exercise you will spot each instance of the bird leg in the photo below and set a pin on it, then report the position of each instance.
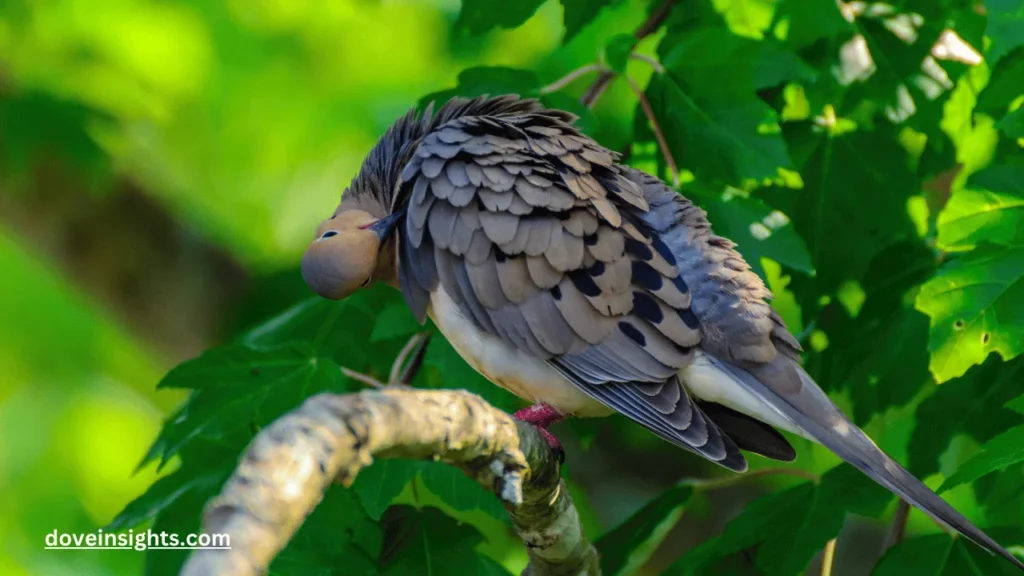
(542, 416)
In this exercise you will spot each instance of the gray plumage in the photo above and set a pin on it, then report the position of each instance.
(542, 241)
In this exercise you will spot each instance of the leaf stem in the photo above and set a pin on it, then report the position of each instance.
(899, 526)
(828, 558)
(716, 483)
(653, 22)
(651, 61)
(658, 134)
(571, 77)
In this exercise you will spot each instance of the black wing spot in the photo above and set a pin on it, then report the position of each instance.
(689, 318)
(584, 283)
(590, 239)
(663, 250)
(632, 333)
(644, 275)
(639, 249)
(499, 255)
(597, 269)
(681, 284)
(645, 307)
(556, 292)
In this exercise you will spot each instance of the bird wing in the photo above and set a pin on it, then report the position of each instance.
(748, 343)
(531, 228)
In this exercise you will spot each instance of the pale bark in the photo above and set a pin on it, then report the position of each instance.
(290, 464)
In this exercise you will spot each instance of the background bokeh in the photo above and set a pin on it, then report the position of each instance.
(162, 167)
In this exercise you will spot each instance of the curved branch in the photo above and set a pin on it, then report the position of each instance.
(292, 462)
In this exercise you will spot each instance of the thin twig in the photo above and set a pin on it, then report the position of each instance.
(658, 134)
(651, 61)
(364, 378)
(653, 22)
(716, 483)
(403, 355)
(899, 526)
(571, 77)
(828, 558)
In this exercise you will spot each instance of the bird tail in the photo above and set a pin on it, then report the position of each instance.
(786, 387)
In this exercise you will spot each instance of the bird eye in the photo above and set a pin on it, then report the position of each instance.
(328, 234)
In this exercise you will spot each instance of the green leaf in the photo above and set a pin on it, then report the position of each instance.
(1005, 28)
(338, 537)
(940, 555)
(1003, 85)
(852, 206)
(393, 322)
(792, 525)
(713, 121)
(617, 50)
(998, 453)
(759, 232)
(379, 485)
(166, 492)
(746, 17)
(459, 491)
(1016, 404)
(240, 388)
(973, 303)
(808, 21)
(579, 13)
(629, 545)
(990, 208)
(481, 16)
(427, 542)
(1013, 123)
(973, 404)
(182, 518)
(878, 353)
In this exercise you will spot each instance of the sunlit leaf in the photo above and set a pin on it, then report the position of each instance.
(998, 453)
(973, 303)
(990, 208)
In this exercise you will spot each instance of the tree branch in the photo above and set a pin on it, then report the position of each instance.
(651, 25)
(292, 462)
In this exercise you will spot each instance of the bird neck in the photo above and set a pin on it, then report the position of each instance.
(386, 271)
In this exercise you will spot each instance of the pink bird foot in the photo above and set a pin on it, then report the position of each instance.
(542, 416)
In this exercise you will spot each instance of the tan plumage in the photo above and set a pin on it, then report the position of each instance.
(573, 281)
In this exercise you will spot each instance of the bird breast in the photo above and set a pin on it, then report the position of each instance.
(519, 372)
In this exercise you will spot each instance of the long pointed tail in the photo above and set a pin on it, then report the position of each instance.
(785, 386)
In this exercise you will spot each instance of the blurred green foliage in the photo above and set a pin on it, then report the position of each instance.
(866, 158)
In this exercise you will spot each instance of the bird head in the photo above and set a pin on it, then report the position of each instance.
(345, 255)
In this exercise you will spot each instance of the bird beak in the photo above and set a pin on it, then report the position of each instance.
(386, 225)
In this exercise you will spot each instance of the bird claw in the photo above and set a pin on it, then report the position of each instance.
(542, 416)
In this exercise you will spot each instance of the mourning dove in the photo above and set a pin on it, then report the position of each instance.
(585, 287)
